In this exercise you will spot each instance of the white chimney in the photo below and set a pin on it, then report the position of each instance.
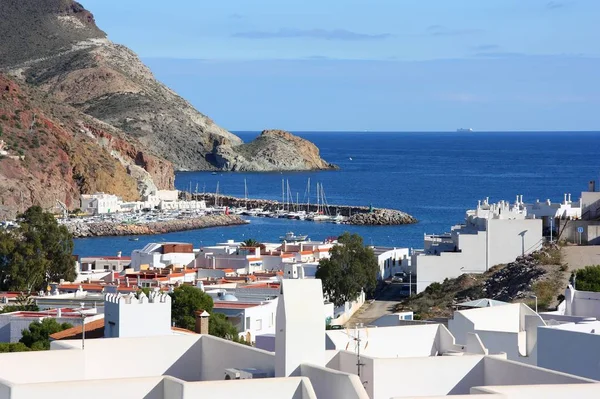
(59, 312)
(119, 254)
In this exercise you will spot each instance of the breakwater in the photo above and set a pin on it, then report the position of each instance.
(79, 229)
(359, 215)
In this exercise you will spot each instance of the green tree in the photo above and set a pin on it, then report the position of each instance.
(37, 336)
(588, 279)
(39, 251)
(23, 302)
(13, 347)
(185, 301)
(351, 269)
(252, 243)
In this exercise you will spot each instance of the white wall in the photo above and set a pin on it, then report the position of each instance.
(571, 352)
(128, 316)
(300, 326)
(329, 383)
(219, 354)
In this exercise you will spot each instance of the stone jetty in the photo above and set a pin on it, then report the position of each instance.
(359, 215)
(79, 229)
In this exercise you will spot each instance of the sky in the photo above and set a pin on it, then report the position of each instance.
(378, 65)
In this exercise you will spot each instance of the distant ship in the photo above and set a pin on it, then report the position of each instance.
(463, 130)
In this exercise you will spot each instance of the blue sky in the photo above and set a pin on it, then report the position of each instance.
(395, 65)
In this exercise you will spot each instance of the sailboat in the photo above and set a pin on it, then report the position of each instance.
(321, 214)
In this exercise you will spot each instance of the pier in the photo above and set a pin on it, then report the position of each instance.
(358, 215)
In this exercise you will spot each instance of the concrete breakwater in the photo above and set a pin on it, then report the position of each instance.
(359, 215)
(79, 229)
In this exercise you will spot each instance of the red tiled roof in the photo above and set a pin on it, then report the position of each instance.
(93, 329)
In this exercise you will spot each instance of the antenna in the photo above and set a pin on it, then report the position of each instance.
(356, 339)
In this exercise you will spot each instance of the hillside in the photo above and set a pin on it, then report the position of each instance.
(50, 151)
(272, 150)
(541, 273)
(56, 46)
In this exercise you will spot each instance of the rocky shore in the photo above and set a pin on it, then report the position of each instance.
(100, 229)
(358, 215)
(382, 217)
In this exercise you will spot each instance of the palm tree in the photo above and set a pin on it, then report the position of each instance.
(251, 243)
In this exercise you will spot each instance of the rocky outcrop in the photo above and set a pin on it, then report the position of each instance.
(81, 229)
(382, 217)
(56, 45)
(273, 150)
(55, 153)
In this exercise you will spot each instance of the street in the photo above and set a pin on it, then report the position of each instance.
(384, 304)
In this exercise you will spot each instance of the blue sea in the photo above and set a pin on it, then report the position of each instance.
(435, 177)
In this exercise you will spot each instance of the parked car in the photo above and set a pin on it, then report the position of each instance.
(399, 277)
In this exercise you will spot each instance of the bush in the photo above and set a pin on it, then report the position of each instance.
(588, 279)
(18, 125)
(4, 117)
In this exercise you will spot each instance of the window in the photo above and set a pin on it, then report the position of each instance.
(247, 323)
(258, 324)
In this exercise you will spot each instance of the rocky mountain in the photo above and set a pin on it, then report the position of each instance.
(272, 150)
(52, 152)
(56, 46)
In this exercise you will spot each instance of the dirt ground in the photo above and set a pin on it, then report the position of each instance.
(577, 257)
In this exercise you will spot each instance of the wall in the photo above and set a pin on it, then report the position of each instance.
(453, 375)
(289, 388)
(329, 383)
(590, 235)
(127, 316)
(219, 354)
(511, 238)
(507, 372)
(582, 303)
(300, 326)
(148, 388)
(571, 352)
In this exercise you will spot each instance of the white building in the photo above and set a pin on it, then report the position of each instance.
(508, 328)
(137, 316)
(160, 255)
(192, 366)
(250, 318)
(100, 203)
(492, 234)
(391, 260)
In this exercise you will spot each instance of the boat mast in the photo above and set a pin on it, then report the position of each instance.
(308, 196)
(283, 193)
(245, 194)
(217, 196)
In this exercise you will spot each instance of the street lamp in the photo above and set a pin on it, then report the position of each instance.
(83, 316)
(536, 302)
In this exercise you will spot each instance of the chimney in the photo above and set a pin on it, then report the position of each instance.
(119, 254)
(592, 186)
(201, 321)
(59, 312)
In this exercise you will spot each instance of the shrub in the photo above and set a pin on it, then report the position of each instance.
(588, 279)
(18, 125)
(4, 117)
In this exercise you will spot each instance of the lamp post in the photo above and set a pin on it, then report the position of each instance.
(410, 283)
(536, 302)
(83, 316)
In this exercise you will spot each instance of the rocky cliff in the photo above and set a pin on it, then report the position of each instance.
(51, 152)
(109, 123)
(272, 150)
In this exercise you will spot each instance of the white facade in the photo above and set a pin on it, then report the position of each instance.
(390, 260)
(100, 203)
(250, 319)
(153, 256)
(130, 316)
(492, 234)
(501, 329)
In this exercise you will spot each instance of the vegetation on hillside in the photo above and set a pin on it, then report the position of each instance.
(351, 269)
(35, 253)
(541, 274)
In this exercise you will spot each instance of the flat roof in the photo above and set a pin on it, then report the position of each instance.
(233, 305)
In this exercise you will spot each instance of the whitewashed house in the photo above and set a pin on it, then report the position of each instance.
(100, 203)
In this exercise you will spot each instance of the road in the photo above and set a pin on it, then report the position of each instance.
(384, 304)
(578, 257)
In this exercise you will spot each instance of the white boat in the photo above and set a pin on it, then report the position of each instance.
(317, 217)
(464, 130)
(291, 237)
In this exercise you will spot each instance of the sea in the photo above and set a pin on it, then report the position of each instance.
(435, 177)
